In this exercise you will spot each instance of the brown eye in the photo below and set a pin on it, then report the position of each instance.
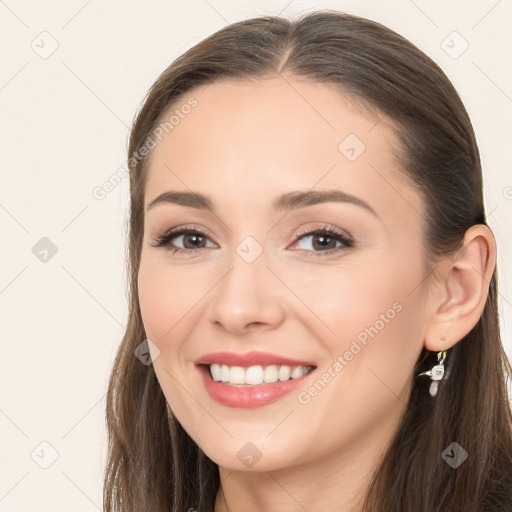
(321, 241)
(196, 240)
(325, 241)
(191, 239)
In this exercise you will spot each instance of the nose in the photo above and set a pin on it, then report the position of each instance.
(248, 297)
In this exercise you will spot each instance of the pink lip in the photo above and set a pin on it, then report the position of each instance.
(249, 359)
(248, 397)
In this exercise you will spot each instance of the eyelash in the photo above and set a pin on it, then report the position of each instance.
(164, 240)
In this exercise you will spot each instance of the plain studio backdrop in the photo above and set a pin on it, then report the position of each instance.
(72, 77)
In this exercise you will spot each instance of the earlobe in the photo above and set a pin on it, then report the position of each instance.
(463, 289)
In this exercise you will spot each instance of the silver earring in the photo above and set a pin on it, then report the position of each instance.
(437, 372)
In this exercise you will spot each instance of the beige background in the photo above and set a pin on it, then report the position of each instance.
(65, 118)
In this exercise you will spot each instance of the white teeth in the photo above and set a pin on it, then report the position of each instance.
(256, 375)
(297, 372)
(271, 373)
(284, 373)
(216, 372)
(224, 373)
(236, 375)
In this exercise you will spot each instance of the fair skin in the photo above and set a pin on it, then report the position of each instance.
(244, 145)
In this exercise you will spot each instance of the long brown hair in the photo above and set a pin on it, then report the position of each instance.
(153, 465)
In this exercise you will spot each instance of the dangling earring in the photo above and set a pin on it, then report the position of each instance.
(437, 372)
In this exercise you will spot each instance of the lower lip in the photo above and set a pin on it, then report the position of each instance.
(248, 396)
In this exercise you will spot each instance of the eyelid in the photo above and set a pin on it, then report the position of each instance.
(171, 233)
(342, 236)
(321, 227)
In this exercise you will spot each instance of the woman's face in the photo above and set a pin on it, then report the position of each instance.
(349, 302)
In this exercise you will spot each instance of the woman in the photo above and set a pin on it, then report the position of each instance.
(313, 278)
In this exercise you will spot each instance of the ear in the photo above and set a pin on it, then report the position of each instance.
(462, 289)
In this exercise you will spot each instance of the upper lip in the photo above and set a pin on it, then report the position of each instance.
(249, 359)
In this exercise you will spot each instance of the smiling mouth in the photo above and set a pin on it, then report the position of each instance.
(239, 376)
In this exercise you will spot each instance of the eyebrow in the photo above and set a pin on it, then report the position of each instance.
(290, 201)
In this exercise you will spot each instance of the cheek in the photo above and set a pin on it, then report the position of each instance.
(341, 300)
(366, 315)
(165, 297)
(366, 378)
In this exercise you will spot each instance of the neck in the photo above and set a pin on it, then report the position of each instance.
(335, 482)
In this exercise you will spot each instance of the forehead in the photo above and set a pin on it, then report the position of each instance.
(272, 112)
(276, 135)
